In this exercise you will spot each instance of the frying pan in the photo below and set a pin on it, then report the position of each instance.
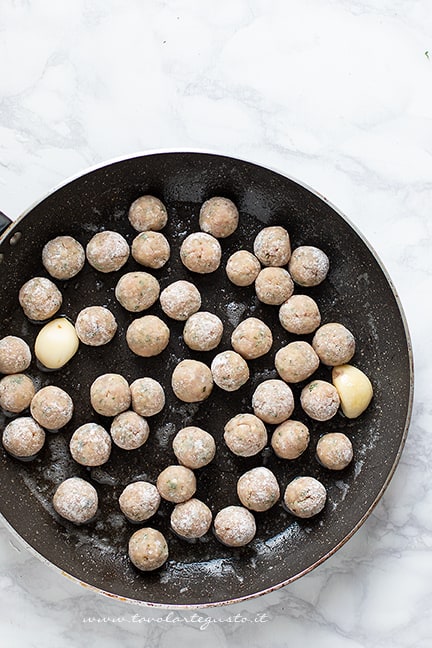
(357, 293)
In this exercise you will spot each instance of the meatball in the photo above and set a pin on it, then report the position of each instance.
(137, 291)
(203, 331)
(201, 253)
(234, 526)
(334, 451)
(40, 298)
(300, 315)
(180, 300)
(192, 381)
(334, 344)
(15, 355)
(191, 519)
(273, 286)
(229, 370)
(296, 361)
(272, 246)
(151, 249)
(252, 338)
(176, 484)
(290, 439)
(147, 336)
(110, 394)
(320, 400)
(16, 393)
(76, 500)
(129, 430)
(148, 396)
(258, 489)
(194, 447)
(63, 257)
(305, 497)
(23, 438)
(148, 549)
(52, 407)
(308, 265)
(245, 435)
(219, 217)
(107, 251)
(90, 445)
(139, 501)
(242, 268)
(95, 325)
(148, 213)
(273, 401)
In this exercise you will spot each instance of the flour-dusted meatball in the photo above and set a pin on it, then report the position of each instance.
(191, 519)
(234, 526)
(176, 484)
(272, 246)
(151, 249)
(296, 361)
(252, 338)
(16, 392)
(52, 407)
(63, 257)
(110, 394)
(258, 489)
(90, 445)
(308, 265)
(290, 439)
(107, 251)
(23, 438)
(137, 291)
(219, 217)
(245, 435)
(139, 501)
(273, 401)
(229, 370)
(201, 253)
(148, 396)
(242, 268)
(148, 213)
(40, 298)
(300, 315)
(147, 336)
(95, 325)
(180, 300)
(334, 344)
(203, 331)
(192, 381)
(15, 355)
(129, 430)
(194, 447)
(334, 451)
(148, 549)
(320, 400)
(305, 497)
(76, 500)
(273, 286)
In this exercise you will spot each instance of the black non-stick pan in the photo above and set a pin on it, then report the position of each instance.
(357, 293)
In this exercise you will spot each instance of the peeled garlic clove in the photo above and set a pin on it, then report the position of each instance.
(354, 389)
(56, 343)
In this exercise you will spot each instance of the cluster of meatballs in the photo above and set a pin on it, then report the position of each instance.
(274, 270)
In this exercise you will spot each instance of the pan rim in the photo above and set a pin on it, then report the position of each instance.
(190, 606)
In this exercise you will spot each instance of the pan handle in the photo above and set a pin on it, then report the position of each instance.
(4, 222)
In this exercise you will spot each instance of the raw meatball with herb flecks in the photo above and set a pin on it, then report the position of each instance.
(16, 393)
(148, 396)
(290, 439)
(137, 291)
(300, 315)
(273, 286)
(320, 400)
(203, 331)
(95, 325)
(258, 489)
(272, 246)
(252, 338)
(147, 336)
(148, 549)
(234, 526)
(308, 265)
(273, 401)
(176, 484)
(192, 381)
(147, 213)
(52, 407)
(23, 438)
(219, 217)
(191, 519)
(194, 447)
(229, 370)
(296, 361)
(180, 300)
(15, 355)
(40, 298)
(334, 451)
(334, 344)
(90, 445)
(129, 430)
(63, 257)
(305, 497)
(110, 394)
(107, 251)
(76, 500)
(245, 435)
(151, 249)
(139, 501)
(201, 253)
(242, 268)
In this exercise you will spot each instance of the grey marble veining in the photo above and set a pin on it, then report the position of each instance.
(337, 93)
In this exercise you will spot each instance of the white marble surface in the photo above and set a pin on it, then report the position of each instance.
(335, 92)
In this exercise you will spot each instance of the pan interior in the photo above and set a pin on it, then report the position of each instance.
(355, 293)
